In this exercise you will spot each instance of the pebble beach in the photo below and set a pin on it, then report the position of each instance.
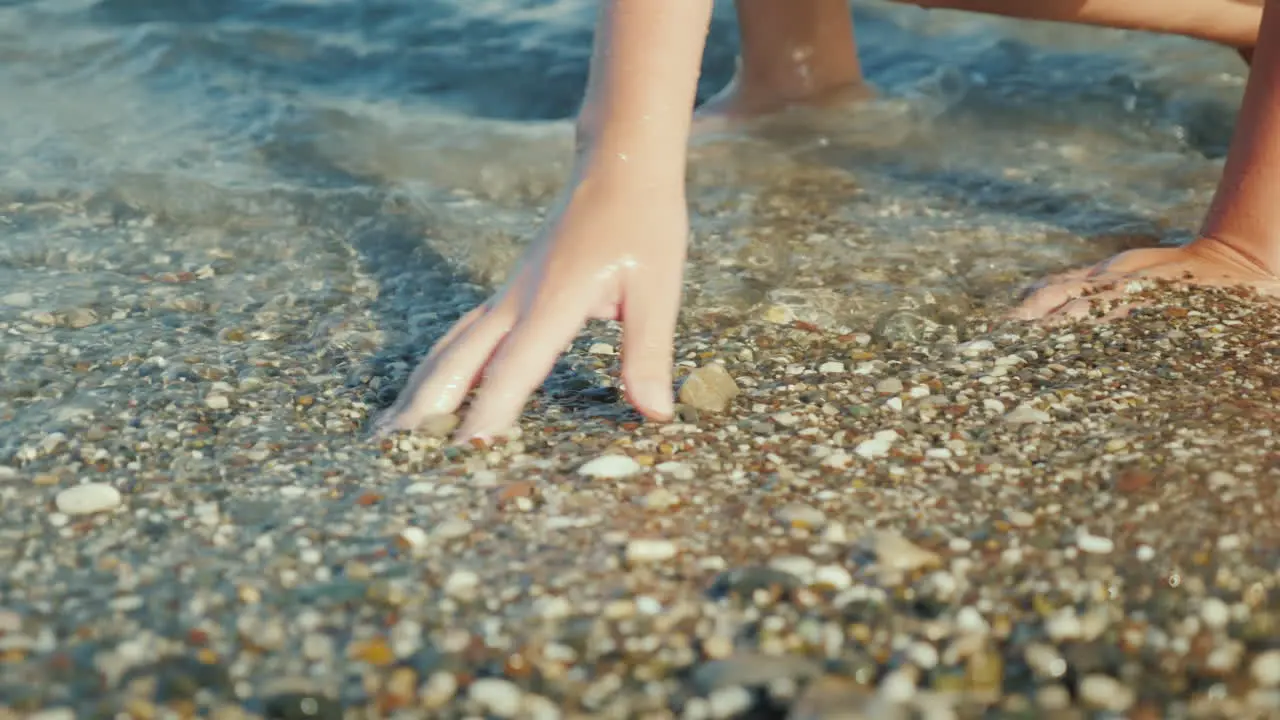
(878, 499)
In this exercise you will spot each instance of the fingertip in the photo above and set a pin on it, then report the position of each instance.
(653, 401)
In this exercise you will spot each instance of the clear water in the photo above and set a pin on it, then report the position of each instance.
(337, 156)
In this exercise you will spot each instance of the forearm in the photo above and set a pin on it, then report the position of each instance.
(1229, 22)
(1245, 213)
(642, 87)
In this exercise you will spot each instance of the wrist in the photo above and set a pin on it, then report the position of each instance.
(653, 163)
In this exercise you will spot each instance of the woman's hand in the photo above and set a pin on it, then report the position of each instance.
(1206, 261)
(615, 249)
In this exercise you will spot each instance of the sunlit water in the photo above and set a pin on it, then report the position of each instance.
(392, 154)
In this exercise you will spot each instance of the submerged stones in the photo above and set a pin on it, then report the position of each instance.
(709, 388)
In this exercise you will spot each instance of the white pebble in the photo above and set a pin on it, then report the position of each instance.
(217, 402)
(898, 686)
(1146, 553)
(1021, 518)
(601, 349)
(796, 565)
(461, 584)
(611, 466)
(969, 620)
(642, 550)
(832, 576)
(878, 445)
(1094, 544)
(452, 529)
(1266, 669)
(832, 367)
(497, 696)
(88, 499)
(1025, 414)
(729, 702)
(975, 348)
(413, 537)
(993, 405)
(1215, 613)
(1103, 691)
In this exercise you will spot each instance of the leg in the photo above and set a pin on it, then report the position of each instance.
(1227, 22)
(793, 52)
(1239, 243)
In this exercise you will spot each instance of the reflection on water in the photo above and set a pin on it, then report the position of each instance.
(306, 144)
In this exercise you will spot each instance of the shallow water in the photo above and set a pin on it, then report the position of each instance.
(178, 168)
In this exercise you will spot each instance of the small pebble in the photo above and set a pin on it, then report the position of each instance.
(611, 466)
(498, 697)
(646, 550)
(1265, 669)
(709, 388)
(88, 499)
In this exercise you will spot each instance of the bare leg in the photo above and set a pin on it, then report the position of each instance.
(1227, 22)
(794, 52)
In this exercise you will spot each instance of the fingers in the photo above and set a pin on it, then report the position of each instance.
(441, 381)
(648, 339)
(1049, 298)
(523, 360)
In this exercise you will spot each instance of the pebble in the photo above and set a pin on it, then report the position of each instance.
(496, 696)
(832, 576)
(78, 318)
(611, 466)
(1026, 415)
(970, 620)
(889, 386)
(831, 368)
(18, 299)
(1106, 692)
(645, 550)
(895, 552)
(452, 529)
(878, 445)
(413, 538)
(800, 515)
(1215, 613)
(461, 584)
(88, 499)
(710, 388)
(797, 565)
(1094, 544)
(975, 348)
(1265, 669)
(1021, 518)
(729, 702)
(217, 402)
(439, 690)
(752, 670)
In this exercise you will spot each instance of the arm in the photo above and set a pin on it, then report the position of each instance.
(614, 248)
(1228, 22)
(641, 89)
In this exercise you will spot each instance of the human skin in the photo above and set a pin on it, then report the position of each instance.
(614, 247)
(803, 52)
(1239, 242)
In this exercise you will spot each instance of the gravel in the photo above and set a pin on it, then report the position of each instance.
(897, 508)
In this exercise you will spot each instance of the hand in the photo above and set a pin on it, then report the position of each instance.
(615, 250)
(1206, 261)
